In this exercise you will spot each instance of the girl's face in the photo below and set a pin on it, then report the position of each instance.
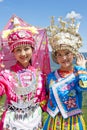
(23, 54)
(65, 59)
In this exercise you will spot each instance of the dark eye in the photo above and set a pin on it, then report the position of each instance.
(18, 50)
(58, 54)
(67, 53)
(27, 48)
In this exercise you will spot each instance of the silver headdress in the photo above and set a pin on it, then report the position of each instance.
(65, 35)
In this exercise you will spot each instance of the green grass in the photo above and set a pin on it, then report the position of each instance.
(85, 114)
(2, 100)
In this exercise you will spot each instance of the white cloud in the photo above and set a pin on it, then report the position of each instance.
(73, 14)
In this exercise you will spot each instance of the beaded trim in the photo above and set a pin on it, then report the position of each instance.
(24, 105)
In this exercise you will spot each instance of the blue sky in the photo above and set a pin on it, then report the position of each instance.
(38, 12)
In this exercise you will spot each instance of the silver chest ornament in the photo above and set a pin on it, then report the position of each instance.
(26, 83)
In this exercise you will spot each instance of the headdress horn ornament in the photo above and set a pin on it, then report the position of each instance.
(65, 35)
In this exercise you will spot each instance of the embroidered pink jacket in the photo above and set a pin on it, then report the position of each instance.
(10, 79)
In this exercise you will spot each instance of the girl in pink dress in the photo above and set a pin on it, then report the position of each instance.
(22, 84)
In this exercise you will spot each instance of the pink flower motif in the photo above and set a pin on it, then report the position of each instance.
(71, 103)
(65, 88)
(66, 123)
(58, 123)
(74, 123)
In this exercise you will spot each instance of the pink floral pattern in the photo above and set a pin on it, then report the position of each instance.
(71, 103)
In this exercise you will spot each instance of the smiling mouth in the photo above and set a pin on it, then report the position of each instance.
(65, 61)
(23, 57)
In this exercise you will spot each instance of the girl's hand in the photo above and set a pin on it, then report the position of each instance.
(80, 60)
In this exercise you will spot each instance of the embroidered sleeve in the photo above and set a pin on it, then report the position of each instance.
(2, 85)
(41, 92)
(2, 90)
(82, 78)
(4, 81)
